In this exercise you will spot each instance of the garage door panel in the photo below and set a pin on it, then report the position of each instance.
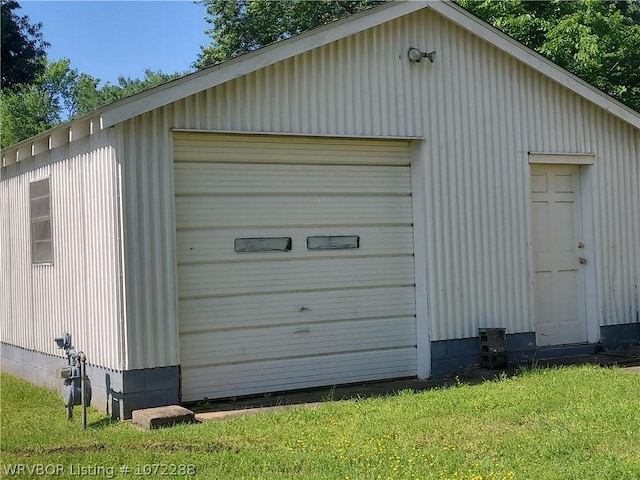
(251, 345)
(290, 157)
(194, 147)
(224, 178)
(291, 211)
(221, 313)
(252, 378)
(276, 276)
(254, 322)
(206, 246)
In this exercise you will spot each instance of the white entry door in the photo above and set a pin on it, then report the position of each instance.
(558, 250)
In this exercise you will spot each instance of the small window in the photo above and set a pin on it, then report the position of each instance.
(40, 212)
(268, 244)
(333, 242)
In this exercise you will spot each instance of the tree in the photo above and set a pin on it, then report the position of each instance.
(87, 96)
(30, 109)
(23, 48)
(597, 40)
(60, 93)
(240, 26)
(37, 94)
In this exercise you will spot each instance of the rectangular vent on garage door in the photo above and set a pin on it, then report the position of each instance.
(333, 242)
(267, 244)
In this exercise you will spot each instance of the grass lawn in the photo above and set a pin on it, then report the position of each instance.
(566, 423)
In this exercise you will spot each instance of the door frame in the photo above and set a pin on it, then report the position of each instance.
(589, 294)
(423, 329)
(417, 169)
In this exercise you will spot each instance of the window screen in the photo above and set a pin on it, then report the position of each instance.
(40, 212)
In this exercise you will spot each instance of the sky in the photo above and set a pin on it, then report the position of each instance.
(106, 39)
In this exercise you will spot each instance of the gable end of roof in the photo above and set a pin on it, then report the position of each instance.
(191, 84)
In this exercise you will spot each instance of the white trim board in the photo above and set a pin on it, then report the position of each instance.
(423, 330)
(296, 134)
(562, 158)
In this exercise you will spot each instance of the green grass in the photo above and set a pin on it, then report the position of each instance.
(568, 423)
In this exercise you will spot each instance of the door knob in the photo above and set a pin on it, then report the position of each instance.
(580, 245)
(582, 260)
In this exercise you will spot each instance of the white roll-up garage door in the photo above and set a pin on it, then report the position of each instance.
(295, 262)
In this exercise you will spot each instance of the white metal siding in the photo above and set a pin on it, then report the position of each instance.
(78, 293)
(617, 201)
(270, 317)
(480, 113)
(149, 241)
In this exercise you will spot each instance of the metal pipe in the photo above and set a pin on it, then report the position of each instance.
(83, 391)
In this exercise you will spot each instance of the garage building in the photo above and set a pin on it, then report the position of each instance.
(325, 211)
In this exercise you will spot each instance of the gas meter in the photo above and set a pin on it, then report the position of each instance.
(76, 388)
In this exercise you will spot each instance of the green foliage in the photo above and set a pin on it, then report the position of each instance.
(23, 48)
(32, 108)
(60, 93)
(38, 94)
(546, 424)
(87, 96)
(22, 114)
(597, 40)
(240, 26)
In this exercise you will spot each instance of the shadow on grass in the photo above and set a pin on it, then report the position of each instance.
(102, 423)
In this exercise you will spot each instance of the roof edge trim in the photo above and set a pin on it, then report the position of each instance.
(249, 62)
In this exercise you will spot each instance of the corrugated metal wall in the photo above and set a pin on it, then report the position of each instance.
(617, 218)
(79, 293)
(149, 238)
(479, 111)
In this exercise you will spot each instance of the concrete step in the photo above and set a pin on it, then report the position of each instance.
(159, 417)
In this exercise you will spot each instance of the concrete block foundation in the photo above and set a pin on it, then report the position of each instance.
(457, 356)
(117, 393)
